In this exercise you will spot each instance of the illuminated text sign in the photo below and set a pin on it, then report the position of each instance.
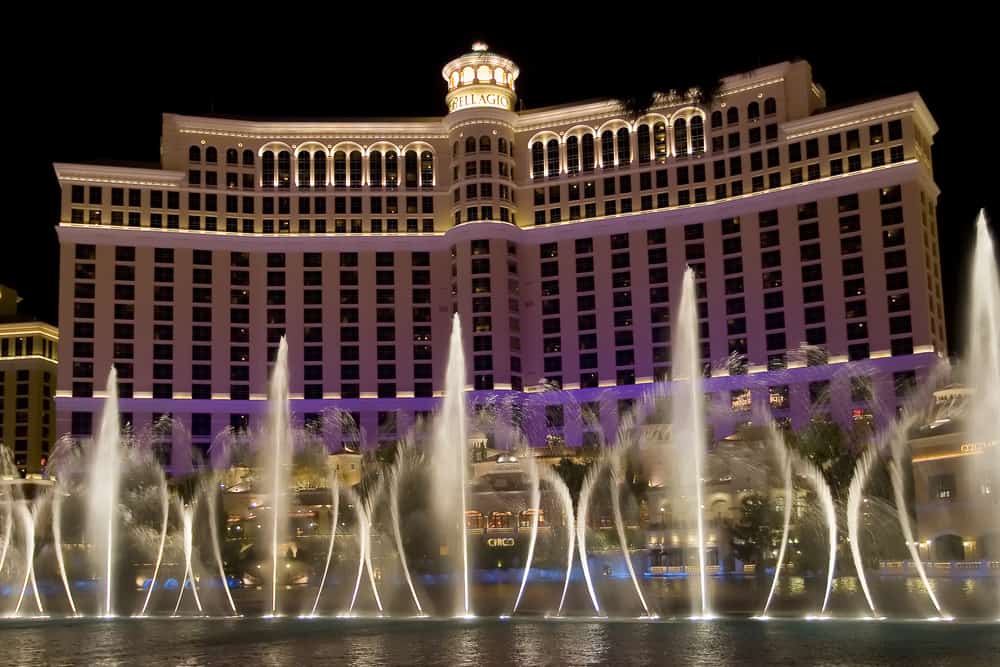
(479, 97)
(500, 542)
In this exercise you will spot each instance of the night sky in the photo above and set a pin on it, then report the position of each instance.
(87, 91)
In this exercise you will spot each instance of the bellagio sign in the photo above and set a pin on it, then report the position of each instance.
(470, 97)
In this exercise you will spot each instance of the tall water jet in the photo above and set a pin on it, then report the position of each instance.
(815, 476)
(582, 512)
(57, 545)
(616, 508)
(165, 509)
(359, 520)
(104, 478)
(8, 526)
(898, 486)
(785, 463)
(534, 503)
(364, 525)
(187, 528)
(334, 518)
(213, 525)
(982, 348)
(449, 463)
(369, 513)
(855, 496)
(687, 424)
(279, 437)
(27, 516)
(556, 483)
(395, 473)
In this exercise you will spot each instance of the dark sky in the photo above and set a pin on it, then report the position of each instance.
(87, 90)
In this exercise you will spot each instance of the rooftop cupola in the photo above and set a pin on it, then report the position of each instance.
(480, 78)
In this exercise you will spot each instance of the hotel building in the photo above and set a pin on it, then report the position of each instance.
(559, 235)
(28, 358)
(955, 482)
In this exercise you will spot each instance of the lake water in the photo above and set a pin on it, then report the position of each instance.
(493, 642)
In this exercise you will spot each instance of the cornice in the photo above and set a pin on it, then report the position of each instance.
(859, 114)
(93, 173)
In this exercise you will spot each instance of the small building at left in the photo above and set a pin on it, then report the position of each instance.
(28, 358)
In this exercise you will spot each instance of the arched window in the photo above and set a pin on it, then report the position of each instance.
(284, 168)
(470, 145)
(391, 169)
(537, 160)
(248, 158)
(232, 157)
(375, 169)
(340, 169)
(716, 119)
(573, 155)
(474, 520)
(502, 146)
(552, 149)
(267, 169)
(732, 116)
(680, 137)
(426, 169)
(607, 149)
(211, 155)
(753, 111)
(770, 106)
(624, 147)
(410, 165)
(305, 176)
(319, 169)
(484, 144)
(194, 154)
(697, 135)
(354, 164)
(660, 142)
(588, 152)
(643, 148)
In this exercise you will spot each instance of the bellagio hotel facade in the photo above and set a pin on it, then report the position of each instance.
(559, 235)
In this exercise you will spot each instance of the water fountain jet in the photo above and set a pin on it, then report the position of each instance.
(104, 479)
(27, 516)
(278, 433)
(187, 528)
(687, 421)
(335, 501)
(534, 503)
(209, 491)
(449, 460)
(58, 545)
(165, 509)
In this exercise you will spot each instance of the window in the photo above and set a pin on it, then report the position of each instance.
(943, 486)
(537, 160)
(607, 149)
(895, 130)
(588, 152)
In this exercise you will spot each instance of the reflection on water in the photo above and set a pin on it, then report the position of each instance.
(529, 643)
(582, 644)
(489, 642)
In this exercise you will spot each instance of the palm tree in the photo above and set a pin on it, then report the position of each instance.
(636, 101)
